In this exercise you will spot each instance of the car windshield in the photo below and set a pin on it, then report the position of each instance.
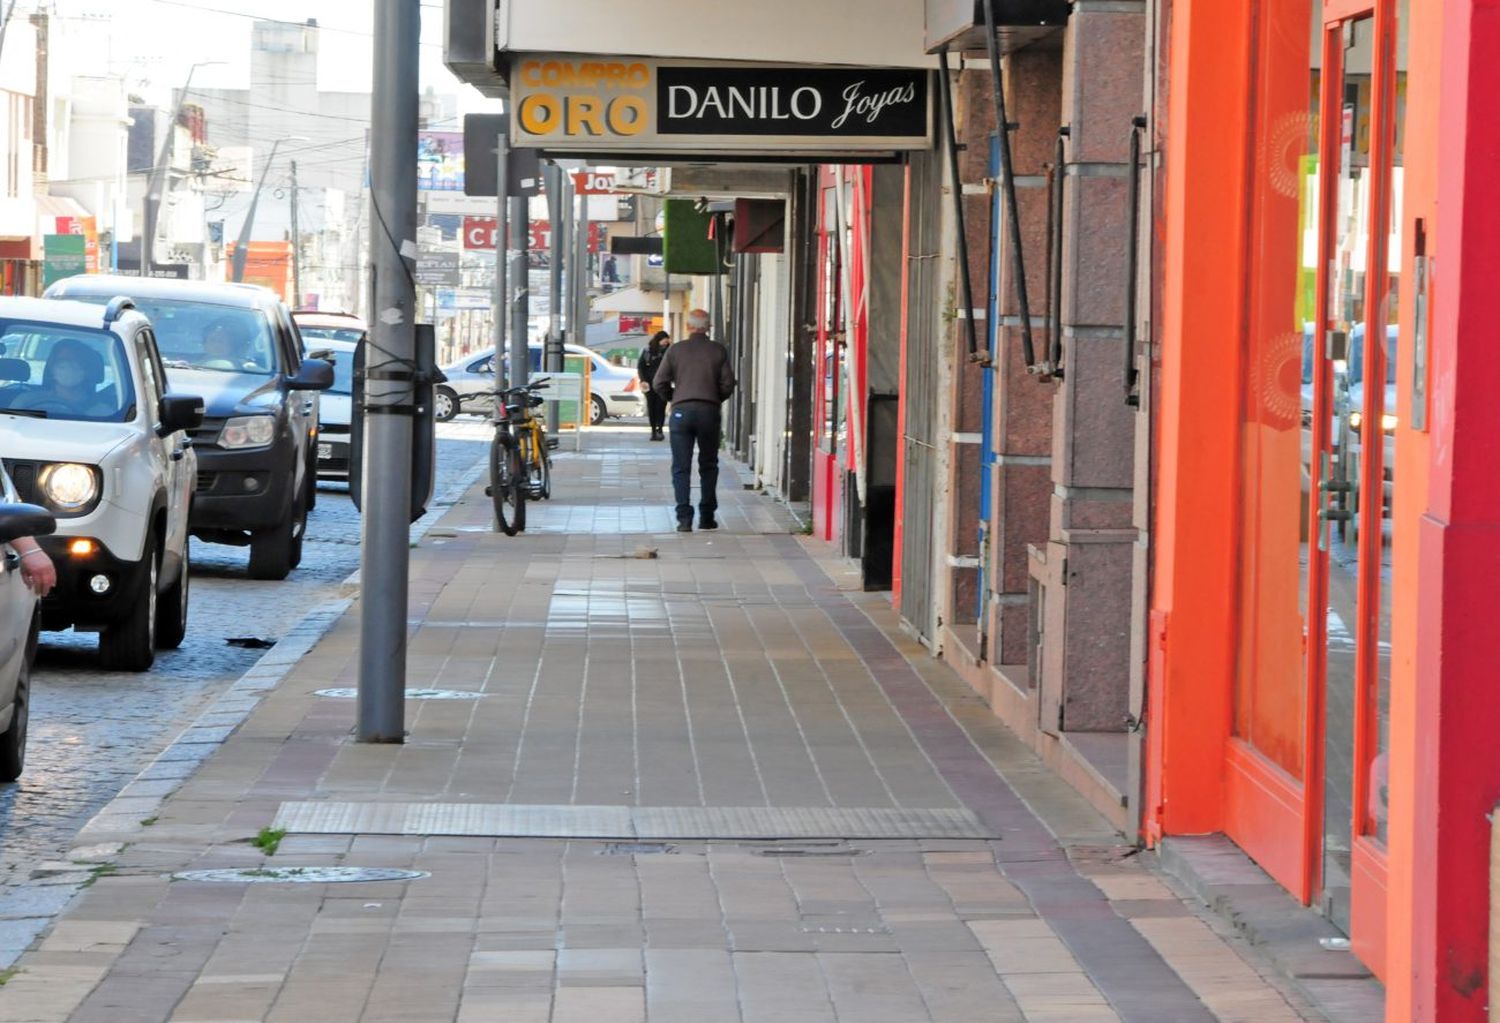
(1357, 355)
(203, 335)
(353, 335)
(52, 371)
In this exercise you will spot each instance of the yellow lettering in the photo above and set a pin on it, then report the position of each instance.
(531, 73)
(639, 76)
(627, 115)
(539, 115)
(585, 112)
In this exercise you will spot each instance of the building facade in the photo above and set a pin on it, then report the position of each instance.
(1160, 412)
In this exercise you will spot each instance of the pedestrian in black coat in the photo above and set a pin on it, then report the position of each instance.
(656, 405)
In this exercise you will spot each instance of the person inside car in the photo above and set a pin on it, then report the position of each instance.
(222, 347)
(70, 383)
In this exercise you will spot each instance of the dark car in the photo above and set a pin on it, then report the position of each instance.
(236, 345)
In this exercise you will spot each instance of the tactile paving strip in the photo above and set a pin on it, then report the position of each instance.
(705, 823)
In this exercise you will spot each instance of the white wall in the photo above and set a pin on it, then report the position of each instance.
(17, 89)
(856, 32)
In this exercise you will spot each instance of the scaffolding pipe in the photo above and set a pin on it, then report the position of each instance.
(1008, 188)
(965, 281)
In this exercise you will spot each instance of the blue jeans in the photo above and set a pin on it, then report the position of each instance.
(695, 422)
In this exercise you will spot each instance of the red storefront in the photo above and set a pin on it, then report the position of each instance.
(1320, 667)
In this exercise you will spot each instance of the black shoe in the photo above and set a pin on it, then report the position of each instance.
(708, 524)
(684, 527)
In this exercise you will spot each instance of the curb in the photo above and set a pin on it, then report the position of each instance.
(144, 795)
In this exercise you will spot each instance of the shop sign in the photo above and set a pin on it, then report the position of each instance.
(438, 269)
(573, 103)
(64, 255)
(482, 232)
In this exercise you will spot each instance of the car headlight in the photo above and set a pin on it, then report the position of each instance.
(1356, 420)
(1388, 423)
(248, 432)
(69, 486)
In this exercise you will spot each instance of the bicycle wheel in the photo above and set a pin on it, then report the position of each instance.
(507, 485)
(544, 466)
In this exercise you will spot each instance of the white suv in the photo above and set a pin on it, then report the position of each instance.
(88, 432)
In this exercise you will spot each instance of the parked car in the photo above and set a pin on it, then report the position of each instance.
(614, 390)
(89, 432)
(335, 336)
(18, 628)
(236, 345)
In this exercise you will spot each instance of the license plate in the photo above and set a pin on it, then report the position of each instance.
(325, 450)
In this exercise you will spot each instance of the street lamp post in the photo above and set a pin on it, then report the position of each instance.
(153, 198)
(242, 247)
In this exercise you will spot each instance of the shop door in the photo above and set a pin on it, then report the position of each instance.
(1306, 765)
(1363, 102)
(829, 412)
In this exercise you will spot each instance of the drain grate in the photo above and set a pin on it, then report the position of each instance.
(411, 694)
(301, 875)
(638, 849)
(624, 823)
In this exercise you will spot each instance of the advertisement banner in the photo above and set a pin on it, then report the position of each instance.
(481, 232)
(440, 161)
(577, 104)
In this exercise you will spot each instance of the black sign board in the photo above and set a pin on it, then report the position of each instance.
(482, 133)
(814, 102)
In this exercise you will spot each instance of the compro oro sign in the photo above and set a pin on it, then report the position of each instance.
(567, 103)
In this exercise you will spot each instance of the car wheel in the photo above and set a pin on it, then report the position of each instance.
(276, 551)
(13, 741)
(172, 611)
(598, 413)
(312, 478)
(130, 645)
(444, 404)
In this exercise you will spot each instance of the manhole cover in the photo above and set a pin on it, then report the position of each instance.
(411, 694)
(301, 875)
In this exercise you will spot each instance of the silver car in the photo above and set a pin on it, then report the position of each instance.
(18, 628)
(614, 390)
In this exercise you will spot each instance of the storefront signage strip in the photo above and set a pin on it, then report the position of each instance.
(580, 103)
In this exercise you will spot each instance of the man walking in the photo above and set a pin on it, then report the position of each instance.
(695, 376)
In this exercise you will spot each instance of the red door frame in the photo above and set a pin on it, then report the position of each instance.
(825, 489)
(1445, 781)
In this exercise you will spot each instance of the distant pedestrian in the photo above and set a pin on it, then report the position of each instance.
(645, 368)
(695, 376)
(611, 270)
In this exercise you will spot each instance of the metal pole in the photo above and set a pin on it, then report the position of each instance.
(520, 302)
(580, 311)
(557, 214)
(390, 397)
(296, 246)
(502, 282)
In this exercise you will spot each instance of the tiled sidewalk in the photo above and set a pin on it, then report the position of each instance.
(728, 671)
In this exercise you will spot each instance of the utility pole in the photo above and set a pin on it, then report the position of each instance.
(296, 245)
(242, 247)
(151, 202)
(389, 392)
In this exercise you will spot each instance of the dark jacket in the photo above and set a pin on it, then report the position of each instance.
(650, 359)
(695, 370)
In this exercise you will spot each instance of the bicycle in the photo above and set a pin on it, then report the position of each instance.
(520, 465)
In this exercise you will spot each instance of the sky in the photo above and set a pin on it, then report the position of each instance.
(155, 42)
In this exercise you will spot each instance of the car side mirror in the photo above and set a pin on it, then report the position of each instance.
(179, 412)
(315, 375)
(18, 520)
